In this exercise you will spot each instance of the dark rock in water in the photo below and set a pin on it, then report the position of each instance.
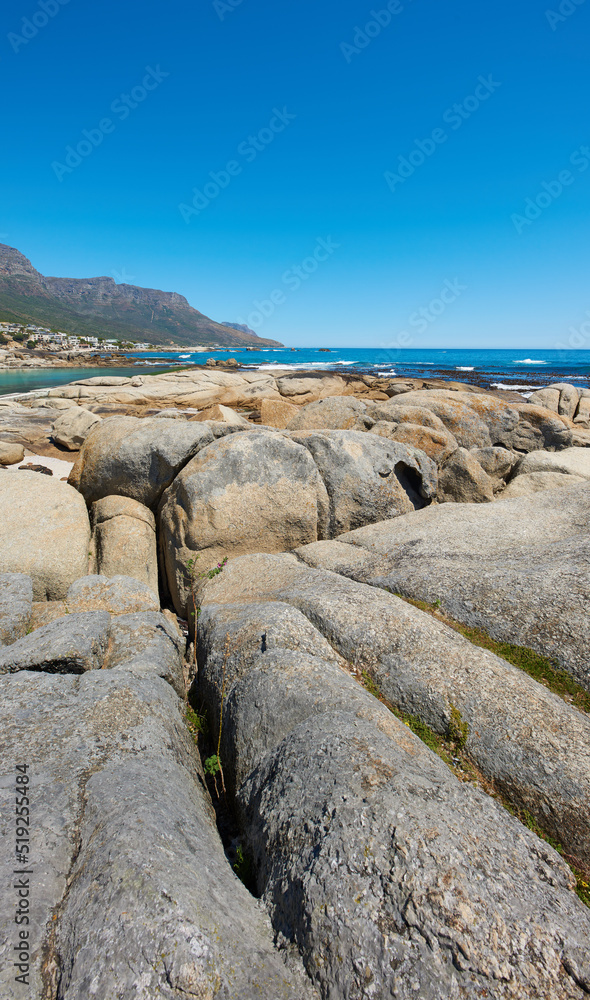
(132, 894)
(16, 605)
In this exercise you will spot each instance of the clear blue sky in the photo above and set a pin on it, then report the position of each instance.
(320, 174)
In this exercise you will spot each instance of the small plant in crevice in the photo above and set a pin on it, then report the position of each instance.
(244, 869)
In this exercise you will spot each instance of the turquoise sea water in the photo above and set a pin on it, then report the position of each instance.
(502, 367)
(524, 368)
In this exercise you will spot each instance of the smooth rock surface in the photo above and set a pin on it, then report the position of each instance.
(277, 412)
(147, 643)
(44, 532)
(571, 461)
(519, 570)
(462, 480)
(368, 478)
(248, 492)
(136, 458)
(11, 454)
(16, 606)
(333, 413)
(131, 894)
(124, 540)
(532, 482)
(73, 426)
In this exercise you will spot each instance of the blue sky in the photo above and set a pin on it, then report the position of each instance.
(301, 113)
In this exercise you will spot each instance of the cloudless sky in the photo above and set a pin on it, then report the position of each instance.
(220, 73)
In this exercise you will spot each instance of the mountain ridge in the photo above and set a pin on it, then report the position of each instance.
(101, 307)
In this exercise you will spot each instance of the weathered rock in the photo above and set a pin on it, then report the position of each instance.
(547, 397)
(368, 478)
(248, 492)
(568, 398)
(582, 415)
(147, 643)
(73, 426)
(519, 569)
(399, 413)
(479, 420)
(44, 532)
(124, 540)
(533, 482)
(570, 461)
(308, 389)
(277, 412)
(497, 463)
(222, 414)
(71, 645)
(136, 458)
(462, 480)
(334, 413)
(16, 605)
(538, 428)
(132, 894)
(438, 444)
(458, 416)
(11, 454)
(119, 595)
(360, 834)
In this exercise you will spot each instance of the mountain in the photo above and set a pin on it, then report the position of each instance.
(101, 308)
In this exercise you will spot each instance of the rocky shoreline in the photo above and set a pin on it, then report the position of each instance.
(297, 667)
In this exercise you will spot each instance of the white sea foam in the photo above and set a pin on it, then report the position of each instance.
(466, 369)
(528, 361)
(387, 373)
(185, 355)
(517, 388)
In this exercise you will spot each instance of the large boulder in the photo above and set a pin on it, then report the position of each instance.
(248, 492)
(124, 540)
(138, 458)
(16, 606)
(437, 443)
(570, 461)
(73, 426)
(11, 454)
(70, 645)
(333, 413)
(277, 412)
(463, 480)
(44, 532)
(480, 420)
(360, 835)
(533, 482)
(132, 894)
(119, 595)
(497, 462)
(368, 478)
(518, 570)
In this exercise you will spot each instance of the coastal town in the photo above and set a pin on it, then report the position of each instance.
(35, 337)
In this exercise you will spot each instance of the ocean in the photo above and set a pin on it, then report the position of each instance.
(522, 369)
